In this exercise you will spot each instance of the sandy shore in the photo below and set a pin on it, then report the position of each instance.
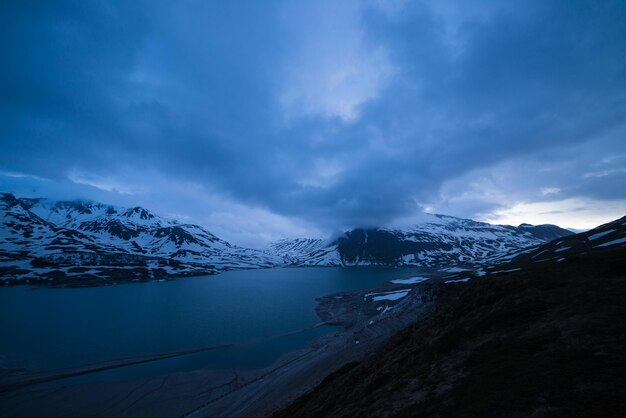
(230, 393)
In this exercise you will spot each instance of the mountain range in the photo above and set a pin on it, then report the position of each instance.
(41, 239)
(438, 241)
(84, 242)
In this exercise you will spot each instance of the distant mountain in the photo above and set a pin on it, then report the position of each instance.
(306, 252)
(83, 243)
(41, 239)
(439, 241)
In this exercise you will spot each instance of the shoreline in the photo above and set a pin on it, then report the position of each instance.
(18, 381)
(89, 281)
(238, 392)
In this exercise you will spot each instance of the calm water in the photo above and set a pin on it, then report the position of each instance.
(46, 328)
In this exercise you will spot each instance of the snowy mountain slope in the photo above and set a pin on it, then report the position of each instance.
(439, 241)
(43, 239)
(607, 236)
(296, 246)
(306, 251)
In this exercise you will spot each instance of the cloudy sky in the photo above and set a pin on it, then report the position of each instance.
(262, 120)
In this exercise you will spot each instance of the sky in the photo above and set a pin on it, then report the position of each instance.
(277, 119)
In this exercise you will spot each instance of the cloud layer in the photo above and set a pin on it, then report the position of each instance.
(317, 116)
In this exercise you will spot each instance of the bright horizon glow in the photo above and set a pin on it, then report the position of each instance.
(579, 214)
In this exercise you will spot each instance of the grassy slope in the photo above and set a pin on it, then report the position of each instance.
(549, 341)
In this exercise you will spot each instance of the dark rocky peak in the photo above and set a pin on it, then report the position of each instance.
(139, 212)
(112, 226)
(545, 232)
(177, 235)
(82, 207)
(9, 199)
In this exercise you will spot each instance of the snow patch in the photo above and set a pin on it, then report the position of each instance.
(614, 242)
(458, 280)
(600, 234)
(455, 270)
(411, 280)
(383, 309)
(507, 271)
(393, 295)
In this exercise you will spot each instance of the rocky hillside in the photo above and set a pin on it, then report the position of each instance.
(608, 235)
(542, 340)
(92, 242)
(440, 241)
(612, 234)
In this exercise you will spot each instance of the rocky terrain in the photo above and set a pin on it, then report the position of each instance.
(539, 336)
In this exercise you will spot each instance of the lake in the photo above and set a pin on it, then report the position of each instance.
(44, 328)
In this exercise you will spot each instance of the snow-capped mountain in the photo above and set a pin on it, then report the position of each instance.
(41, 239)
(438, 241)
(81, 242)
(306, 251)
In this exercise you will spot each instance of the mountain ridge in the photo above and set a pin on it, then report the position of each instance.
(95, 243)
(441, 241)
(87, 243)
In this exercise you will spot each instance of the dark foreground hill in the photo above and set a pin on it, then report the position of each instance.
(547, 341)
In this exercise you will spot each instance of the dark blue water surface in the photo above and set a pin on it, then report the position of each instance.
(49, 328)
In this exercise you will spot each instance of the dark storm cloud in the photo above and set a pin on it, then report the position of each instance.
(340, 113)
